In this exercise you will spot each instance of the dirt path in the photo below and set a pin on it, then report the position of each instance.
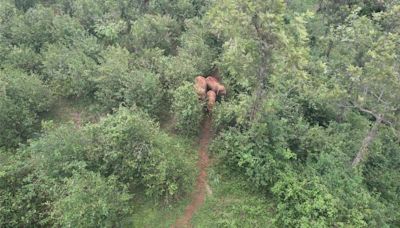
(199, 194)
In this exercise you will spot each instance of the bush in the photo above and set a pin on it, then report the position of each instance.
(68, 70)
(22, 98)
(90, 200)
(143, 89)
(113, 68)
(169, 172)
(261, 151)
(60, 151)
(25, 193)
(382, 173)
(303, 202)
(197, 46)
(130, 146)
(187, 109)
(23, 57)
(33, 28)
(231, 113)
(151, 31)
(119, 83)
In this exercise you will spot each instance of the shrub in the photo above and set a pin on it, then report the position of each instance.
(68, 70)
(90, 200)
(261, 151)
(169, 171)
(143, 89)
(152, 31)
(25, 193)
(231, 113)
(188, 110)
(119, 83)
(130, 146)
(113, 68)
(59, 151)
(22, 98)
(303, 202)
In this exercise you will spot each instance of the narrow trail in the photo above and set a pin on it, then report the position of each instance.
(200, 192)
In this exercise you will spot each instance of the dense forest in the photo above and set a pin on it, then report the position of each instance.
(99, 120)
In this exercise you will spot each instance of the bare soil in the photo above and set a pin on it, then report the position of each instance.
(202, 188)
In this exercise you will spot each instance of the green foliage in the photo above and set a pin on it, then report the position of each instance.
(23, 57)
(33, 28)
(112, 71)
(67, 30)
(188, 110)
(68, 70)
(382, 172)
(80, 176)
(263, 149)
(22, 98)
(175, 70)
(231, 113)
(250, 30)
(121, 144)
(131, 147)
(24, 192)
(155, 31)
(88, 12)
(307, 124)
(199, 47)
(60, 151)
(110, 30)
(233, 202)
(168, 173)
(311, 84)
(26, 90)
(143, 89)
(90, 200)
(119, 83)
(179, 9)
(303, 202)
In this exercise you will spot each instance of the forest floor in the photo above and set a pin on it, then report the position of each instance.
(202, 188)
(78, 112)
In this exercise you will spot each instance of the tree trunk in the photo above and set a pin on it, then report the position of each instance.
(362, 153)
(262, 70)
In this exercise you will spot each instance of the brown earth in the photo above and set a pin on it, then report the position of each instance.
(200, 192)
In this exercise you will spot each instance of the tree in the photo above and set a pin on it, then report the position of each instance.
(112, 71)
(90, 200)
(365, 66)
(382, 171)
(131, 147)
(60, 151)
(25, 193)
(120, 82)
(310, 120)
(304, 202)
(68, 71)
(187, 109)
(155, 31)
(23, 98)
(33, 28)
(143, 89)
(306, 119)
(252, 31)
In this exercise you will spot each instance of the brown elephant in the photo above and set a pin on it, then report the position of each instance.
(211, 97)
(214, 85)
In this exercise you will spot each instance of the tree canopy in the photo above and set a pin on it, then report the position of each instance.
(311, 119)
